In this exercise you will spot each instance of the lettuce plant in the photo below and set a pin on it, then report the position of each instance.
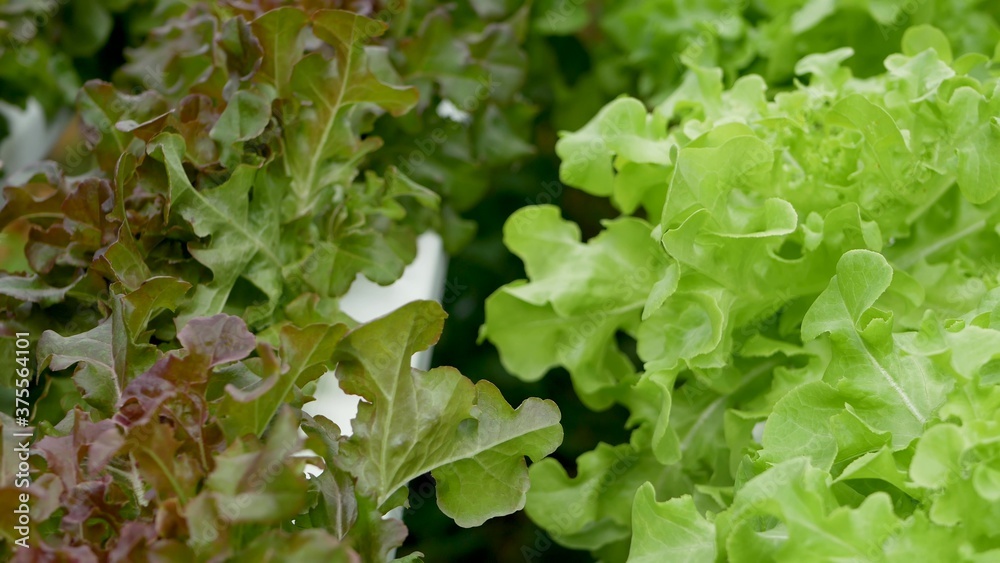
(234, 155)
(47, 49)
(810, 281)
(183, 293)
(198, 456)
(472, 124)
(640, 46)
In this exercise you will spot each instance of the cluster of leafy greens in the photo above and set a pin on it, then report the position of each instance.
(47, 48)
(186, 293)
(638, 46)
(198, 455)
(814, 306)
(468, 62)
